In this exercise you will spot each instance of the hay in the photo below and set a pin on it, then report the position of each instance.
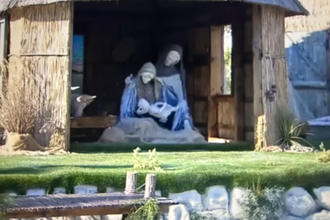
(20, 109)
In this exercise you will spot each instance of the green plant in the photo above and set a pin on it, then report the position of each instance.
(324, 156)
(197, 216)
(145, 209)
(290, 130)
(5, 200)
(227, 57)
(150, 163)
(263, 204)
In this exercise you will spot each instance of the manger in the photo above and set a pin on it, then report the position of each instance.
(175, 53)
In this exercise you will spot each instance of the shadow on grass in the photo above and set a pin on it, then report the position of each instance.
(43, 169)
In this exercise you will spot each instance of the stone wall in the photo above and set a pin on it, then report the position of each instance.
(218, 203)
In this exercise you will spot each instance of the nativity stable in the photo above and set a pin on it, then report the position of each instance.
(97, 45)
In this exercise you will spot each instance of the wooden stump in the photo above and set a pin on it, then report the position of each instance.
(150, 188)
(131, 182)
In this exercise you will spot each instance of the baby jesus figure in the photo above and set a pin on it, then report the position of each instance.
(159, 110)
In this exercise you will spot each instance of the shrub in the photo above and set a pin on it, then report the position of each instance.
(324, 155)
(144, 210)
(5, 200)
(290, 130)
(263, 205)
(150, 163)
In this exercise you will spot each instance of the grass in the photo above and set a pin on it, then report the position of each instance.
(181, 170)
(95, 147)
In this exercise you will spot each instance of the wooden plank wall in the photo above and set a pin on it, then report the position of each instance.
(199, 74)
(248, 78)
(238, 74)
(44, 47)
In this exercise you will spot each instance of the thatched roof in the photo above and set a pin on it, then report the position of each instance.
(292, 6)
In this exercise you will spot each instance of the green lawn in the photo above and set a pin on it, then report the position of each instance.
(182, 170)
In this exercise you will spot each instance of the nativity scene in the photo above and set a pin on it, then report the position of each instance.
(154, 106)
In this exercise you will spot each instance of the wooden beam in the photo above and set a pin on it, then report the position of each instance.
(238, 78)
(93, 122)
(68, 86)
(224, 98)
(257, 65)
(3, 45)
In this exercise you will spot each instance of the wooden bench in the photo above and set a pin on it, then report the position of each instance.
(88, 204)
(78, 205)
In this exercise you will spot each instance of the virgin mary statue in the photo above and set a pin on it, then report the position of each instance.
(173, 76)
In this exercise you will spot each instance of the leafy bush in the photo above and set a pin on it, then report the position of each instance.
(227, 57)
(5, 200)
(324, 156)
(144, 210)
(197, 216)
(263, 205)
(150, 163)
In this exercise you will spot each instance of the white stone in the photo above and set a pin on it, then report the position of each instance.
(324, 215)
(192, 199)
(158, 193)
(298, 202)
(85, 189)
(237, 197)
(36, 192)
(178, 212)
(59, 190)
(111, 217)
(216, 197)
(290, 217)
(323, 196)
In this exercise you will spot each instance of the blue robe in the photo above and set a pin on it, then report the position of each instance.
(130, 99)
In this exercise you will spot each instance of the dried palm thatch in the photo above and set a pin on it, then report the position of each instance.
(293, 7)
(42, 41)
(319, 18)
(19, 110)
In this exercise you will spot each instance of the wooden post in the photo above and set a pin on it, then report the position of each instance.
(131, 182)
(150, 188)
(257, 66)
(216, 78)
(68, 85)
